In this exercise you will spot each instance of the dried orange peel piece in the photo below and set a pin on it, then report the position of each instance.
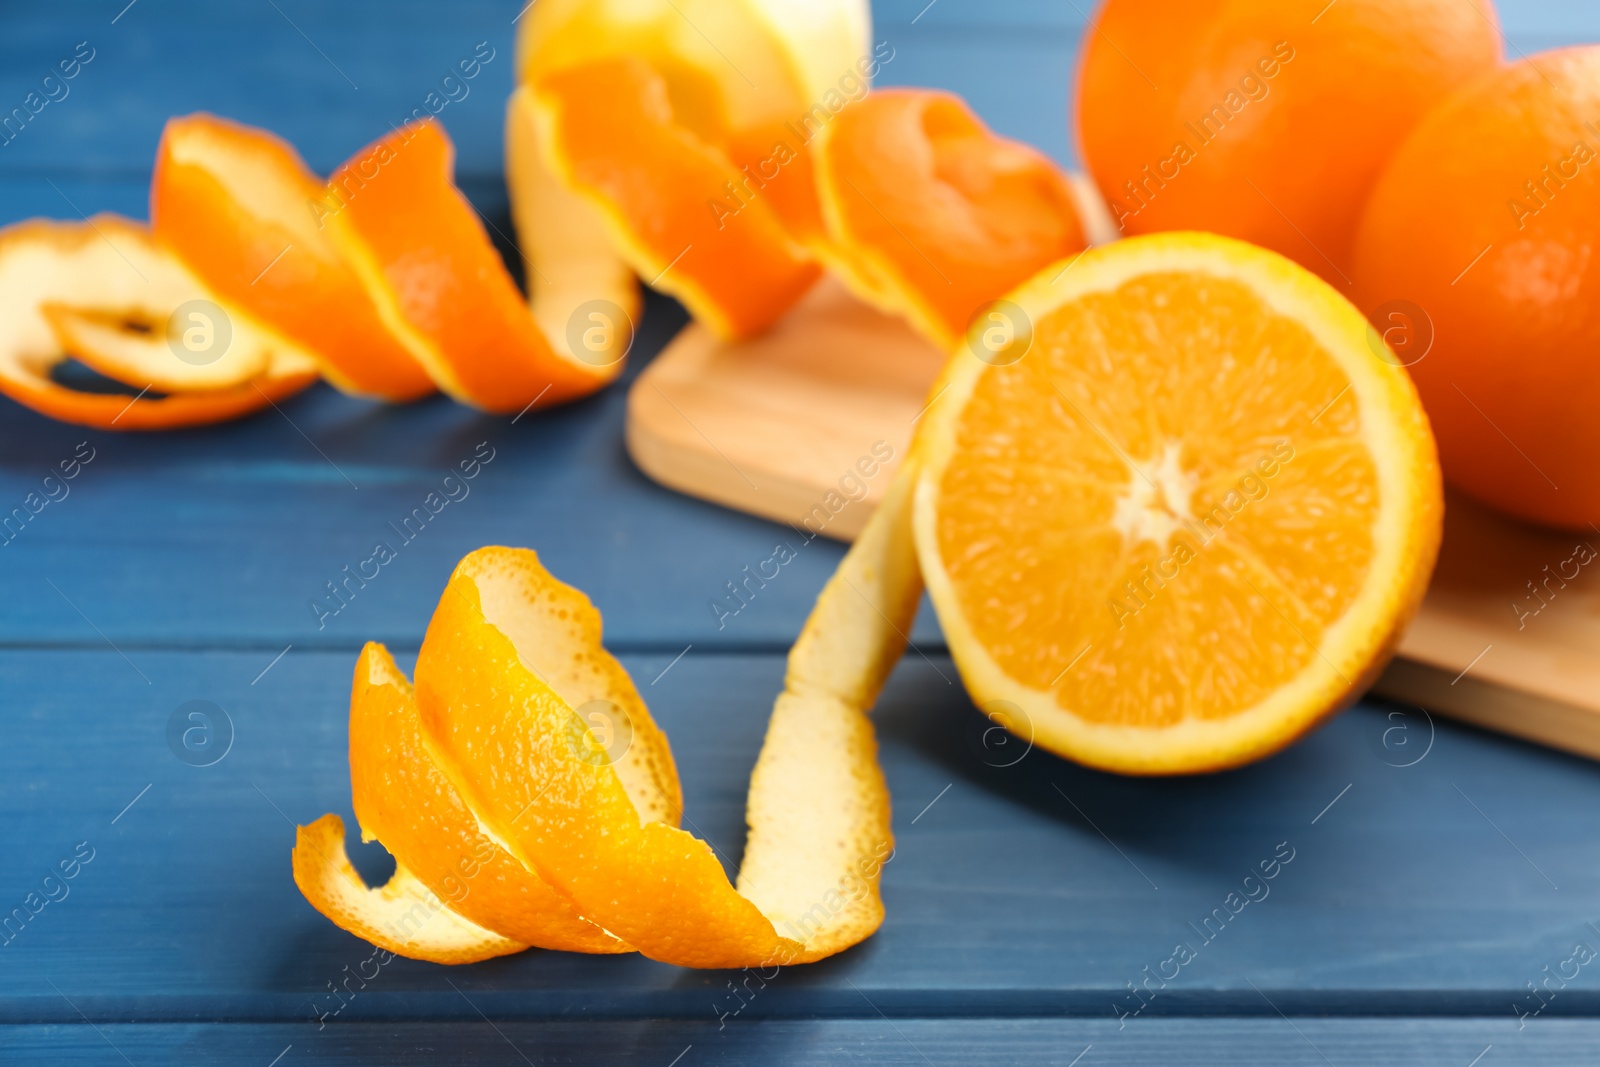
(513, 751)
(931, 215)
(241, 208)
(104, 291)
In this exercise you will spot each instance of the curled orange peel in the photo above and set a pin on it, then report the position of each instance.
(402, 916)
(440, 286)
(134, 345)
(931, 215)
(402, 799)
(242, 209)
(574, 278)
(732, 191)
(613, 133)
(685, 125)
(106, 293)
(507, 748)
(382, 279)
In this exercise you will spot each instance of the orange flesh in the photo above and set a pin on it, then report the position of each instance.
(1256, 521)
(691, 222)
(936, 206)
(241, 208)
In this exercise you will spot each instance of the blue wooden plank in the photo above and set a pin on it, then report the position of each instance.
(1035, 889)
(493, 1042)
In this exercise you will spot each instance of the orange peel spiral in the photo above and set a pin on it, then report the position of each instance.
(383, 280)
(496, 767)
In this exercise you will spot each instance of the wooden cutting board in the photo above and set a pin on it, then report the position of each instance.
(786, 425)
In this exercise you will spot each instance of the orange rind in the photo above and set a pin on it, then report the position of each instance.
(687, 126)
(931, 215)
(105, 292)
(259, 276)
(512, 754)
(612, 133)
(402, 799)
(402, 916)
(440, 286)
(240, 207)
(582, 294)
(136, 346)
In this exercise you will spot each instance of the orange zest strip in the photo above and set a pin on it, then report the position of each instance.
(49, 272)
(440, 286)
(241, 208)
(932, 215)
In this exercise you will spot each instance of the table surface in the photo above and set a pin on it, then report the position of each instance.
(1437, 874)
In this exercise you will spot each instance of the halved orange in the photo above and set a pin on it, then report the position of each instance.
(104, 291)
(1184, 513)
(417, 244)
(931, 215)
(241, 208)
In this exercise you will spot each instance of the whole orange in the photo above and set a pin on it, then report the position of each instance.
(1480, 250)
(1266, 120)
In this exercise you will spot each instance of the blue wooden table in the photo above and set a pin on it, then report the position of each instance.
(1436, 896)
